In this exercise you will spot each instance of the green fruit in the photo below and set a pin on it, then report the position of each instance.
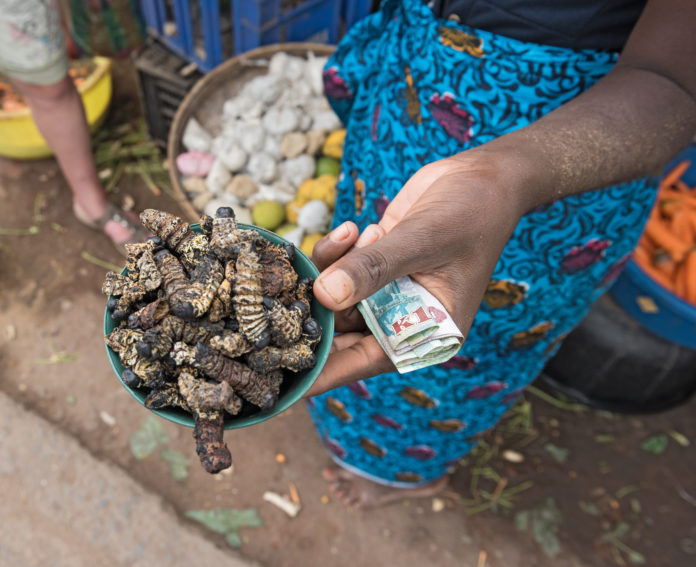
(328, 165)
(285, 228)
(268, 214)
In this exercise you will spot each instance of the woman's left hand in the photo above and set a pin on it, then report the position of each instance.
(446, 229)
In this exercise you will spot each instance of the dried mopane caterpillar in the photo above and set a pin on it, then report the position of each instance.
(167, 396)
(278, 276)
(177, 235)
(221, 307)
(149, 315)
(210, 446)
(189, 297)
(231, 344)
(204, 396)
(158, 341)
(248, 299)
(254, 387)
(296, 357)
(285, 322)
(123, 341)
(124, 292)
(225, 235)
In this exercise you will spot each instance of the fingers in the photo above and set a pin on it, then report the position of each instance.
(376, 259)
(356, 357)
(334, 245)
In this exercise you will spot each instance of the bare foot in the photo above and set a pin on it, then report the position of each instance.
(358, 492)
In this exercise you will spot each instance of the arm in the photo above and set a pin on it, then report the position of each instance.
(450, 222)
(627, 125)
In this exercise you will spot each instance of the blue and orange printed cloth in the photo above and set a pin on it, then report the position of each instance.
(412, 89)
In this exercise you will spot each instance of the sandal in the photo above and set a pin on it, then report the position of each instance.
(113, 213)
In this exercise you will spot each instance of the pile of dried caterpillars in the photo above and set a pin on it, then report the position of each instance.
(210, 322)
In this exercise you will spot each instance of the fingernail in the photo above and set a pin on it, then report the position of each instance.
(339, 233)
(371, 234)
(338, 285)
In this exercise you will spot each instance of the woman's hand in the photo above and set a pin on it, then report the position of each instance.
(446, 229)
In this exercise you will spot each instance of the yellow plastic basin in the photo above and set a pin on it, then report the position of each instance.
(19, 137)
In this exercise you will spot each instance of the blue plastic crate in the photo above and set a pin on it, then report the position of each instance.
(207, 32)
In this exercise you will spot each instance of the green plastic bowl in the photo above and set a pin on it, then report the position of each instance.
(294, 386)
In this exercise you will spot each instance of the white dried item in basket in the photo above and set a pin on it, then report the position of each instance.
(271, 146)
(326, 120)
(251, 137)
(233, 157)
(218, 177)
(195, 137)
(314, 217)
(289, 66)
(281, 120)
(262, 168)
(266, 88)
(313, 72)
(297, 170)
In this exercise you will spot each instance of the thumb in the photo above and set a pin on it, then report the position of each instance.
(376, 260)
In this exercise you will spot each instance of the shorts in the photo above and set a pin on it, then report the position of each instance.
(32, 42)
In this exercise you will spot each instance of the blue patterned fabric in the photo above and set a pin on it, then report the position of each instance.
(412, 89)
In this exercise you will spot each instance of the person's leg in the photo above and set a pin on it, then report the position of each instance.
(60, 117)
(358, 492)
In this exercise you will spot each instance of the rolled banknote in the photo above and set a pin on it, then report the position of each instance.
(411, 325)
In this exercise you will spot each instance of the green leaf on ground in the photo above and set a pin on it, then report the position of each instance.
(559, 454)
(178, 463)
(589, 508)
(655, 444)
(544, 521)
(227, 521)
(604, 438)
(144, 441)
(680, 438)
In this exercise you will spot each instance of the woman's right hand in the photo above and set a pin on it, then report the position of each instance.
(446, 229)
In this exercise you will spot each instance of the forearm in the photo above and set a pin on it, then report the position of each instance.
(628, 125)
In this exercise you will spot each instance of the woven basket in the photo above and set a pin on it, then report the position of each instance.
(205, 100)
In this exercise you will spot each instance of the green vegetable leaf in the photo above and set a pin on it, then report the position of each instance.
(544, 521)
(144, 441)
(227, 521)
(178, 463)
(655, 444)
(559, 454)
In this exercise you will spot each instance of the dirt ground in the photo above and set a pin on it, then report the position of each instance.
(554, 484)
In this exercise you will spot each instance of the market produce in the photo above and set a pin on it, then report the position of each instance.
(667, 248)
(210, 322)
(275, 135)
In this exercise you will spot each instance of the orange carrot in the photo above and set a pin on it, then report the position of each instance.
(658, 232)
(675, 174)
(690, 277)
(681, 186)
(680, 281)
(680, 226)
